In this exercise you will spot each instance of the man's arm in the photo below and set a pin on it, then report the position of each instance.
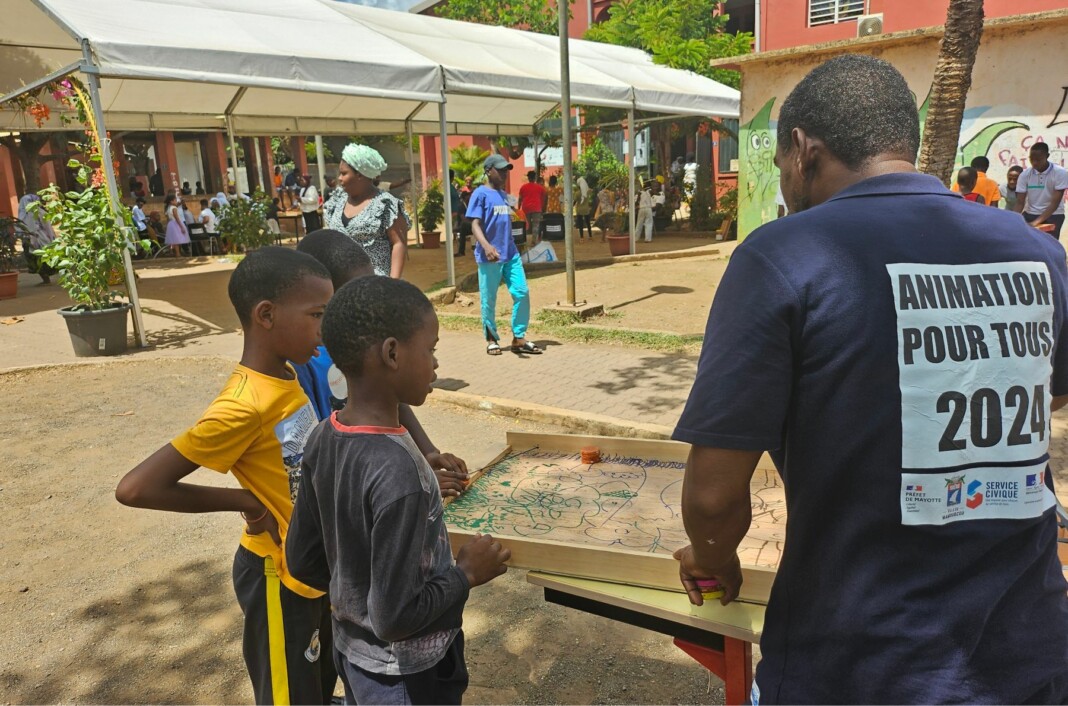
(1058, 197)
(716, 513)
(1059, 402)
(305, 550)
(476, 230)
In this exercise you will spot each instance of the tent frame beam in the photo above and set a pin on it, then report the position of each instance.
(446, 187)
(55, 75)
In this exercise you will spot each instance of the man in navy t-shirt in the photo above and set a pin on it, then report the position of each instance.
(498, 258)
(899, 351)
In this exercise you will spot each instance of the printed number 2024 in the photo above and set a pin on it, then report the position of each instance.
(986, 417)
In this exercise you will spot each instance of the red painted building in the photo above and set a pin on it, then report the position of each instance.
(790, 23)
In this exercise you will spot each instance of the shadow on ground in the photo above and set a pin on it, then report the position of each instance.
(669, 375)
(130, 656)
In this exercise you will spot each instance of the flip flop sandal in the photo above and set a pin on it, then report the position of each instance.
(528, 348)
(493, 348)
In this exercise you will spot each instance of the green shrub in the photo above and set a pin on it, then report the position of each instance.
(244, 222)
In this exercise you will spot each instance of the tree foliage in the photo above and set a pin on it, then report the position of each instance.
(466, 162)
(681, 34)
(599, 162)
(534, 15)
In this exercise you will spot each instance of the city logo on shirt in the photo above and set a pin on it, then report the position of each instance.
(975, 498)
(954, 487)
(1034, 479)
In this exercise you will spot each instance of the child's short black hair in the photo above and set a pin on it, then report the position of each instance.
(266, 274)
(367, 311)
(338, 253)
(967, 176)
(1015, 168)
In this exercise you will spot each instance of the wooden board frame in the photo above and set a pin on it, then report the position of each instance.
(615, 565)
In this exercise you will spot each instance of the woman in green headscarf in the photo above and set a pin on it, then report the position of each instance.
(373, 218)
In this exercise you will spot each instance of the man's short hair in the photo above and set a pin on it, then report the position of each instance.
(140, 200)
(266, 274)
(532, 175)
(1041, 147)
(203, 203)
(367, 311)
(967, 176)
(1015, 168)
(859, 106)
(981, 164)
(337, 252)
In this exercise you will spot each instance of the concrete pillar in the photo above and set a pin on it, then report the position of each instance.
(167, 161)
(300, 157)
(214, 144)
(252, 162)
(9, 195)
(268, 165)
(118, 153)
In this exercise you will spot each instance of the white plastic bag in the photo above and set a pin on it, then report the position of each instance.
(542, 252)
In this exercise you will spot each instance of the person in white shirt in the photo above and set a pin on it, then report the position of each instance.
(309, 205)
(645, 214)
(1040, 190)
(208, 217)
(689, 174)
(140, 219)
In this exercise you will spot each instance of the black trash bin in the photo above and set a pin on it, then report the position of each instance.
(552, 226)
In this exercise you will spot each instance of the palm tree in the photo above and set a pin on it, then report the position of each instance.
(949, 90)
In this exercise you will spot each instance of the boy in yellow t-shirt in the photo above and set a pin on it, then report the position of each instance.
(256, 429)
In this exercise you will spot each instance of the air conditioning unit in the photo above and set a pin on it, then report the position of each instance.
(869, 25)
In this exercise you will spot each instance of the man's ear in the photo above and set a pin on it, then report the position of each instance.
(263, 314)
(808, 152)
(389, 353)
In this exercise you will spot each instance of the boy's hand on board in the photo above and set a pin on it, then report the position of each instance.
(482, 559)
(451, 472)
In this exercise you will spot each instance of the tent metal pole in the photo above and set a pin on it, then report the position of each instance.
(44, 81)
(443, 129)
(565, 142)
(411, 175)
(93, 80)
(632, 147)
(233, 149)
(320, 160)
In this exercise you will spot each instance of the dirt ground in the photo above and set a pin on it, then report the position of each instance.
(106, 604)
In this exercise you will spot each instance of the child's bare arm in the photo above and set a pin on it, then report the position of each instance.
(155, 484)
(451, 470)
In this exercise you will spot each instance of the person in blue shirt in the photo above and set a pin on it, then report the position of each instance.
(899, 352)
(498, 258)
(325, 385)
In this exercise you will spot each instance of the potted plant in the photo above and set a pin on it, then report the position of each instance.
(613, 225)
(87, 254)
(9, 274)
(431, 214)
(244, 222)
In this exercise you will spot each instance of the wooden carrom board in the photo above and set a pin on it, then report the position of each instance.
(617, 520)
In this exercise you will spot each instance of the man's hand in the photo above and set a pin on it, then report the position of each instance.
(491, 253)
(267, 523)
(451, 472)
(729, 575)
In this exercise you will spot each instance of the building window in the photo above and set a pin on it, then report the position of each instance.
(825, 12)
(728, 148)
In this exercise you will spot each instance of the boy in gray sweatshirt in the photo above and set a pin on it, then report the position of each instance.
(368, 522)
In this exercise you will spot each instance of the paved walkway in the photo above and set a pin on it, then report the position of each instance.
(617, 381)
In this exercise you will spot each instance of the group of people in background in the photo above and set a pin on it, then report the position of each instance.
(1036, 192)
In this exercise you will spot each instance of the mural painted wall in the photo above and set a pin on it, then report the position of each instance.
(1019, 96)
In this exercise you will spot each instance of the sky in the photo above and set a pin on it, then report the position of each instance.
(401, 5)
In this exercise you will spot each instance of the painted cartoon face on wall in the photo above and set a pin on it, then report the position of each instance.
(761, 176)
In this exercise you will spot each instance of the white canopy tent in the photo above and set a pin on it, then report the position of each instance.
(317, 67)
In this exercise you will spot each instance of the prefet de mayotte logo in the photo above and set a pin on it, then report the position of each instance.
(954, 490)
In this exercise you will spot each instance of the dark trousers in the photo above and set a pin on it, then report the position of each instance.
(444, 683)
(584, 222)
(1057, 220)
(288, 641)
(312, 222)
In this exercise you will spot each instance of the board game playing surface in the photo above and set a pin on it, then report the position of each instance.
(623, 501)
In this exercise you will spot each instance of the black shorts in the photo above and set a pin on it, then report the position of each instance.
(288, 642)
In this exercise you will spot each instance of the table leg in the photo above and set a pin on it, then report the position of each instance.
(734, 665)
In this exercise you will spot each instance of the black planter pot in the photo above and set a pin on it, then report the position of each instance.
(97, 332)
